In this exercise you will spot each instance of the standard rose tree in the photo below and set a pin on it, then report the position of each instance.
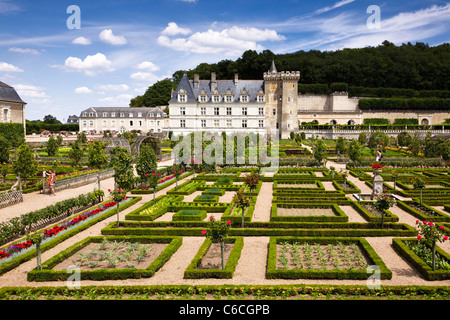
(430, 233)
(218, 232)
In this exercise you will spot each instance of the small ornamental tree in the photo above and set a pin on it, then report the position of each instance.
(320, 151)
(146, 161)
(218, 232)
(344, 175)
(52, 146)
(383, 202)
(241, 202)
(76, 153)
(37, 239)
(152, 180)
(419, 183)
(118, 195)
(122, 162)
(96, 154)
(251, 180)
(176, 172)
(430, 233)
(394, 174)
(24, 164)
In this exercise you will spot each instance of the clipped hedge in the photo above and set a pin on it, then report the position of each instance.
(189, 215)
(440, 217)
(368, 251)
(388, 216)
(193, 272)
(47, 274)
(339, 216)
(425, 270)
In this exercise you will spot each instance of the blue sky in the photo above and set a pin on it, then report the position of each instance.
(122, 47)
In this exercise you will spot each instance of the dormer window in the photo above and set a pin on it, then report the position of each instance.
(130, 115)
(228, 99)
(91, 114)
(113, 114)
(216, 98)
(244, 99)
(84, 114)
(182, 95)
(244, 96)
(202, 96)
(122, 114)
(105, 114)
(260, 98)
(139, 115)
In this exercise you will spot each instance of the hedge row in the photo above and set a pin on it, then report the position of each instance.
(161, 186)
(319, 185)
(47, 274)
(388, 216)
(339, 215)
(438, 216)
(404, 104)
(369, 252)
(193, 272)
(425, 270)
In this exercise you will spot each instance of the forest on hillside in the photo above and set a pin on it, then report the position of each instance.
(407, 66)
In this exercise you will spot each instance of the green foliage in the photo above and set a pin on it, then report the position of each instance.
(317, 88)
(339, 87)
(37, 126)
(406, 121)
(340, 145)
(76, 153)
(354, 151)
(96, 154)
(319, 150)
(404, 139)
(404, 104)
(52, 146)
(24, 163)
(4, 150)
(122, 162)
(375, 121)
(378, 139)
(362, 138)
(13, 132)
(146, 161)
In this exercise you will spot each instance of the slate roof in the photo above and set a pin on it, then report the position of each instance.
(8, 94)
(252, 87)
(146, 112)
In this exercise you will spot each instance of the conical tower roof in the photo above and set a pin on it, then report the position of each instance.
(273, 68)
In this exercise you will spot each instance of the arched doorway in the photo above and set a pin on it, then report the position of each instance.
(351, 122)
(424, 122)
(332, 122)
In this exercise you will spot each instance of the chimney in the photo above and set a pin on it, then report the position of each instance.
(213, 81)
(236, 78)
(196, 79)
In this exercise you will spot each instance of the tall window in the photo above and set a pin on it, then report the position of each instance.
(216, 123)
(182, 124)
(182, 111)
(203, 123)
(182, 98)
(228, 111)
(261, 123)
(203, 111)
(216, 111)
(229, 123)
(244, 111)
(244, 123)
(261, 111)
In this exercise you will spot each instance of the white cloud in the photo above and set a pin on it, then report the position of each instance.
(230, 41)
(147, 65)
(108, 37)
(31, 93)
(113, 87)
(336, 5)
(82, 40)
(6, 67)
(121, 98)
(142, 76)
(173, 29)
(83, 90)
(23, 50)
(91, 65)
(7, 7)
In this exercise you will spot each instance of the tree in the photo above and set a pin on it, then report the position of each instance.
(4, 150)
(157, 94)
(122, 162)
(52, 146)
(378, 140)
(354, 151)
(96, 154)
(251, 181)
(218, 232)
(146, 161)
(416, 145)
(320, 151)
(430, 233)
(383, 202)
(340, 146)
(362, 138)
(76, 153)
(49, 119)
(241, 202)
(404, 139)
(153, 180)
(24, 164)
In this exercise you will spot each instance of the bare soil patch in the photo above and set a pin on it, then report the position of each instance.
(305, 212)
(213, 257)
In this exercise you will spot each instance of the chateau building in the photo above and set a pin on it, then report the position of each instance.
(263, 106)
(123, 119)
(12, 107)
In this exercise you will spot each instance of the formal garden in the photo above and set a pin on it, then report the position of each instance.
(316, 227)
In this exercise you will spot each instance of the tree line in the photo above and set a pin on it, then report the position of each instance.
(406, 66)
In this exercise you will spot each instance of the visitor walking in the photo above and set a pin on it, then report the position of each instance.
(378, 156)
(51, 181)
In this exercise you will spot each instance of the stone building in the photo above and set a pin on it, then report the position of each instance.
(124, 119)
(262, 106)
(12, 107)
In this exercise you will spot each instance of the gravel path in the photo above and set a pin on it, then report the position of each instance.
(251, 266)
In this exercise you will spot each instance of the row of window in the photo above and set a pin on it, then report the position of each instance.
(113, 114)
(217, 111)
(217, 123)
(122, 122)
(217, 98)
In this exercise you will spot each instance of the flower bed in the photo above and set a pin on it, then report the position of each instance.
(206, 198)
(406, 248)
(26, 254)
(189, 215)
(111, 273)
(287, 261)
(198, 271)
(424, 211)
(165, 182)
(308, 212)
(367, 210)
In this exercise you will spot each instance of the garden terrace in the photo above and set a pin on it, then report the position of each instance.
(305, 212)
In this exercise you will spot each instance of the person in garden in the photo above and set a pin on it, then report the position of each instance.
(51, 181)
(378, 156)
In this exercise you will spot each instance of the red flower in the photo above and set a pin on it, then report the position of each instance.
(229, 223)
(419, 237)
(445, 238)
